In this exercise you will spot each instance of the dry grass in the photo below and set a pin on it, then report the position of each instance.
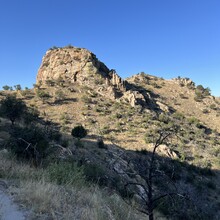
(48, 200)
(73, 203)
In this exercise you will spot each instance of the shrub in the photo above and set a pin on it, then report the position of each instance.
(101, 144)
(105, 130)
(60, 81)
(207, 91)
(201, 92)
(99, 81)
(194, 120)
(198, 96)
(67, 173)
(79, 143)
(17, 87)
(155, 85)
(28, 143)
(86, 99)
(213, 106)
(6, 87)
(54, 48)
(42, 94)
(79, 132)
(69, 46)
(12, 108)
(25, 92)
(163, 118)
(205, 111)
(59, 95)
(178, 115)
(211, 185)
(64, 118)
(200, 87)
(95, 173)
(50, 82)
(31, 115)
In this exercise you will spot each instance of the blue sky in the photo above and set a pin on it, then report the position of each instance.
(165, 38)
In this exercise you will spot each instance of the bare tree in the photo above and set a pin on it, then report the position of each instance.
(150, 172)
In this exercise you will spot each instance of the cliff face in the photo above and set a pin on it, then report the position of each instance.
(70, 63)
(76, 65)
(79, 65)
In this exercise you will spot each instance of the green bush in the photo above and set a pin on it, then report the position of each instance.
(201, 92)
(95, 173)
(65, 173)
(31, 115)
(101, 144)
(12, 108)
(86, 99)
(79, 132)
(42, 94)
(163, 118)
(178, 115)
(28, 143)
(213, 106)
(6, 87)
(18, 87)
(194, 121)
(59, 95)
(50, 82)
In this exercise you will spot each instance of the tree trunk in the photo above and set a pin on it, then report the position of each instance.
(150, 201)
(151, 216)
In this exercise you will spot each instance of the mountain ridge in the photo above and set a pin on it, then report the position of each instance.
(127, 116)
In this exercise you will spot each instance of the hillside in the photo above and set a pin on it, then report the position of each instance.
(73, 87)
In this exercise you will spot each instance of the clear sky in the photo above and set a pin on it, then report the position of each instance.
(165, 38)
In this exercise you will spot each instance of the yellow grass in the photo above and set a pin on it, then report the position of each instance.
(48, 200)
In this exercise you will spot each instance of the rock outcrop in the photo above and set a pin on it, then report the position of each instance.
(134, 98)
(77, 65)
(70, 63)
(185, 82)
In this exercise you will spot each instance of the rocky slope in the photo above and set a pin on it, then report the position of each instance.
(73, 87)
(180, 95)
(77, 65)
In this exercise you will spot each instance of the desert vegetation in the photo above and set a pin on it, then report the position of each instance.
(96, 148)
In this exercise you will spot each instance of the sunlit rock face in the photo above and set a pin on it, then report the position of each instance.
(70, 63)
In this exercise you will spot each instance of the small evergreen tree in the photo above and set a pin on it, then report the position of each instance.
(12, 108)
(6, 87)
(17, 87)
(79, 132)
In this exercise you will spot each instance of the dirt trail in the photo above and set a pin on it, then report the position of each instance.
(8, 209)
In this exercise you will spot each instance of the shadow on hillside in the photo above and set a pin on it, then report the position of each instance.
(112, 166)
(63, 101)
(199, 186)
(148, 95)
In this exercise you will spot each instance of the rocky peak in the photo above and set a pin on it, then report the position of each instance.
(75, 65)
(69, 63)
(79, 65)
